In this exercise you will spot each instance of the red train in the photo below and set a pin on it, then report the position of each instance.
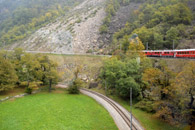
(184, 53)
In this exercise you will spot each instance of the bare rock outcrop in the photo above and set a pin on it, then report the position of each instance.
(75, 32)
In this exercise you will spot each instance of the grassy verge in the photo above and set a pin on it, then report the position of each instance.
(54, 111)
(147, 120)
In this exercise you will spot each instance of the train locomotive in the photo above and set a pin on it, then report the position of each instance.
(183, 53)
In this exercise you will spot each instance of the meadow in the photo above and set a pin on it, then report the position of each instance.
(54, 111)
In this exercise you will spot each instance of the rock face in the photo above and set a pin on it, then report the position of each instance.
(76, 32)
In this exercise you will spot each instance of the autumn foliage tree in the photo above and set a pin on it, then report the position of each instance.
(26, 70)
(182, 93)
(8, 76)
(168, 94)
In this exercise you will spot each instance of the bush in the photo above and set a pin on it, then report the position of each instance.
(28, 90)
(103, 29)
(74, 87)
(146, 105)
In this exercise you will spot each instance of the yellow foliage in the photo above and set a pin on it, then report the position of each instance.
(135, 48)
(152, 76)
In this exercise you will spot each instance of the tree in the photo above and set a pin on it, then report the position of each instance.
(172, 36)
(147, 13)
(77, 82)
(103, 29)
(8, 75)
(135, 49)
(182, 93)
(120, 76)
(74, 87)
(49, 71)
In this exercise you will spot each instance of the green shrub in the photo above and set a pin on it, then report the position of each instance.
(103, 29)
(28, 90)
(146, 105)
(74, 87)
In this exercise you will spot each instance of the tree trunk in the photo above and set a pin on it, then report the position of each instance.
(191, 100)
(50, 83)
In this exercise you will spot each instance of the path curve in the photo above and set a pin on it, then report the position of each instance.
(122, 123)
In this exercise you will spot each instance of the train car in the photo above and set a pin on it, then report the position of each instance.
(183, 53)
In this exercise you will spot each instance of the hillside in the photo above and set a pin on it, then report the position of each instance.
(160, 24)
(102, 26)
(20, 18)
(75, 32)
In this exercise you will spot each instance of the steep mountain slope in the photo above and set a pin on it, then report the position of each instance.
(20, 18)
(76, 32)
(123, 15)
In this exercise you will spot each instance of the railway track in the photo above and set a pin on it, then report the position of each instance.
(117, 107)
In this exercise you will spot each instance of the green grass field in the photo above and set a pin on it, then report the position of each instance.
(54, 111)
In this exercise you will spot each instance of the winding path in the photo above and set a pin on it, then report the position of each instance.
(120, 115)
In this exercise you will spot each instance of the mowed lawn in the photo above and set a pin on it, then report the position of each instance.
(54, 112)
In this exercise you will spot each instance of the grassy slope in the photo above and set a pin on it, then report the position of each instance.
(147, 120)
(54, 111)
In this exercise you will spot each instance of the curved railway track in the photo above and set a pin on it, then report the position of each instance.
(124, 115)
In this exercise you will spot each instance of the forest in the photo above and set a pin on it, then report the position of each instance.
(20, 18)
(158, 23)
(157, 89)
(29, 71)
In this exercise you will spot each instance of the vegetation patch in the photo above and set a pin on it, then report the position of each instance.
(159, 24)
(160, 90)
(54, 111)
